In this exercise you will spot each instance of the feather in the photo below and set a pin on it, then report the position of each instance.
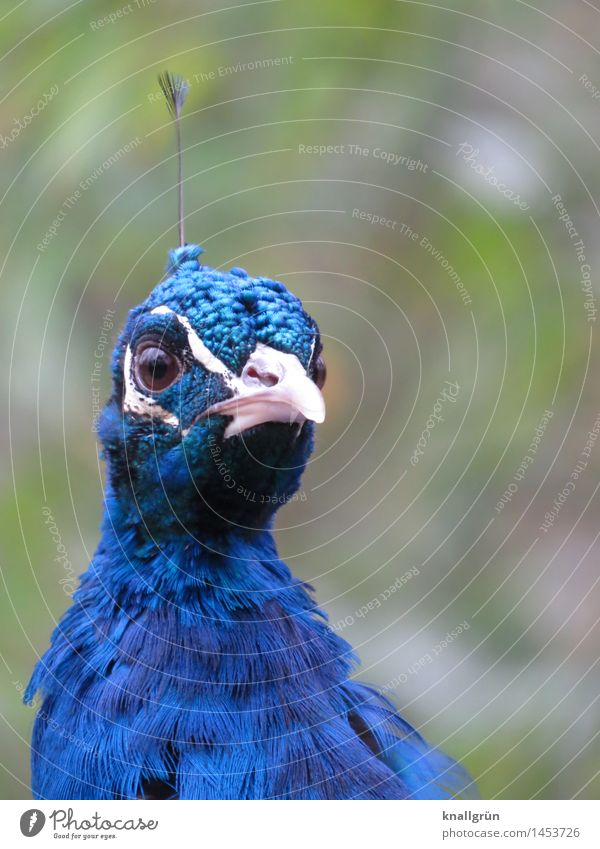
(227, 689)
(175, 90)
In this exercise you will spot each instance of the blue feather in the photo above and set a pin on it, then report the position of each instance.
(191, 660)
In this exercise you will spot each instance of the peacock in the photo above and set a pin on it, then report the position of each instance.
(191, 663)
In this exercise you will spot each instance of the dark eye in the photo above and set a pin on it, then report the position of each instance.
(155, 369)
(319, 372)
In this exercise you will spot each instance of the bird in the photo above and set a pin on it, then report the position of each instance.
(191, 663)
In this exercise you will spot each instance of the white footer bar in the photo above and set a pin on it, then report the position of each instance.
(304, 825)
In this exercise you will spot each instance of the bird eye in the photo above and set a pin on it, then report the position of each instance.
(155, 369)
(319, 372)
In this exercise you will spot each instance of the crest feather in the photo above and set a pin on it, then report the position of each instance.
(175, 90)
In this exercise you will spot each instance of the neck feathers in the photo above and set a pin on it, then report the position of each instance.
(209, 668)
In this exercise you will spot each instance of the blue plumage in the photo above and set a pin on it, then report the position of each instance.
(191, 663)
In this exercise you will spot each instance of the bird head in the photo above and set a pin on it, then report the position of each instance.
(217, 381)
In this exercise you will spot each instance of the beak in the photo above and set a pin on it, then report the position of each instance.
(273, 387)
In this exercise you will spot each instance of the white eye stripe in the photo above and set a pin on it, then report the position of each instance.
(136, 402)
(312, 351)
(197, 346)
(146, 405)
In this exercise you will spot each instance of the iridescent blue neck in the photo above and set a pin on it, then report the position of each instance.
(234, 569)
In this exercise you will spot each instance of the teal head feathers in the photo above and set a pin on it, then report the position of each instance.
(216, 386)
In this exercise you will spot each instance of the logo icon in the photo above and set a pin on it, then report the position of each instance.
(32, 822)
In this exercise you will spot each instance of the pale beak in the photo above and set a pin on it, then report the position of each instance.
(273, 387)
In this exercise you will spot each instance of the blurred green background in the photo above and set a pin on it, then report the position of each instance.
(480, 621)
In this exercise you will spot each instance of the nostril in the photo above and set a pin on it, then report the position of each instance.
(269, 379)
(264, 376)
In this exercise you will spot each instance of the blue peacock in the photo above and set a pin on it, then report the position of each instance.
(192, 664)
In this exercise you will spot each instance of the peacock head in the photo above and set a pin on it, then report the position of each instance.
(217, 381)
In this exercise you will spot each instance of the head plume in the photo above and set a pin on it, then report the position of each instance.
(175, 90)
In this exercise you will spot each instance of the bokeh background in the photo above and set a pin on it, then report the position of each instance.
(467, 574)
